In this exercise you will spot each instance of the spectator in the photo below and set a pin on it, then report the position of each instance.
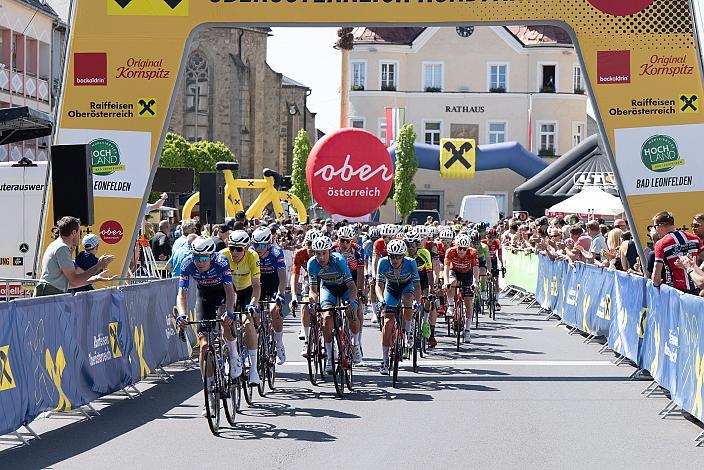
(672, 244)
(174, 264)
(87, 259)
(698, 225)
(58, 269)
(604, 230)
(221, 233)
(160, 242)
(621, 224)
(598, 242)
(628, 252)
(575, 232)
(693, 271)
(188, 226)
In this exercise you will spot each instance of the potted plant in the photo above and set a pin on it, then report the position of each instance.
(432, 89)
(546, 152)
(497, 89)
(357, 87)
(388, 87)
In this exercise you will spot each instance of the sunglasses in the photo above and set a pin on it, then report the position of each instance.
(345, 240)
(411, 244)
(260, 246)
(238, 249)
(321, 254)
(395, 256)
(696, 225)
(459, 248)
(202, 259)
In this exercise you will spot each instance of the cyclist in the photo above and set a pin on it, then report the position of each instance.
(330, 280)
(398, 283)
(425, 271)
(273, 279)
(386, 233)
(367, 251)
(483, 256)
(495, 256)
(462, 272)
(244, 265)
(355, 261)
(211, 270)
(300, 263)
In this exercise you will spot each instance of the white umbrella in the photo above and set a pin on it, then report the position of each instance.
(590, 201)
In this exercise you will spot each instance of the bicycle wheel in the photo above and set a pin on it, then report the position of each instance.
(262, 365)
(419, 335)
(348, 357)
(396, 352)
(336, 356)
(271, 369)
(313, 351)
(416, 342)
(210, 393)
(230, 390)
(492, 301)
(478, 308)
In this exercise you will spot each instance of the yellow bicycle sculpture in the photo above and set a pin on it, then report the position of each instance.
(270, 194)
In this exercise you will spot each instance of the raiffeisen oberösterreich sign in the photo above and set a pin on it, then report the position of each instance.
(125, 57)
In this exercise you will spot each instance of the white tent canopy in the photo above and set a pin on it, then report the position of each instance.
(590, 201)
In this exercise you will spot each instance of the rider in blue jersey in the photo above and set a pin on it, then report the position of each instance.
(330, 280)
(400, 275)
(273, 281)
(212, 273)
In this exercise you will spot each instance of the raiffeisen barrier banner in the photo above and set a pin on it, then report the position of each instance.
(126, 56)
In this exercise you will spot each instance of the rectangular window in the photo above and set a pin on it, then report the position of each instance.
(497, 132)
(432, 133)
(497, 78)
(382, 130)
(359, 76)
(578, 85)
(577, 133)
(388, 76)
(432, 77)
(548, 80)
(548, 137)
(357, 123)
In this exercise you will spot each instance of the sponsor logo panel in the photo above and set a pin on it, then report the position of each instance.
(111, 232)
(613, 67)
(90, 69)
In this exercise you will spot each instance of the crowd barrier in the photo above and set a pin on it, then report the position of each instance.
(62, 352)
(659, 329)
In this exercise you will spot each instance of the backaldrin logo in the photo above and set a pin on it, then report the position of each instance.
(90, 69)
(613, 67)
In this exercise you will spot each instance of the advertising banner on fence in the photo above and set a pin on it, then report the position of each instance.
(658, 353)
(690, 356)
(625, 330)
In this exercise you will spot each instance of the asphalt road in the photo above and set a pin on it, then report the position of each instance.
(524, 394)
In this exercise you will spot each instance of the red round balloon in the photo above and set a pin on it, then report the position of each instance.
(349, 172)
(621, 7)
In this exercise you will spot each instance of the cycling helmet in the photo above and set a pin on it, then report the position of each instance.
(475, 237)
(322, 243)
(262, 235)
(387, 230)
(311, 235)
(238, 238)
(396, 247)
(203, 246)
(412, 237)
(491, 233)
(481, 226)
(432, 231)
(447, 234)
(421, 230)
(462, 241)
(90, 241)
(346, 232)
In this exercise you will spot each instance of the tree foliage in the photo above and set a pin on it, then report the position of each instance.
(299, 184)
(406, 168)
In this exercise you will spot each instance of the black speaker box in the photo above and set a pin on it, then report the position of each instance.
(212, 198)
(72, 182)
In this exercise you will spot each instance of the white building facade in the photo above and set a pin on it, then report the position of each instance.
(493, 84)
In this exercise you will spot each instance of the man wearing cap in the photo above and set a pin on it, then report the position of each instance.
(86, 259)
(222, 234)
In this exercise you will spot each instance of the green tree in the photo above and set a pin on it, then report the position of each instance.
(406, 168)
(299, 184)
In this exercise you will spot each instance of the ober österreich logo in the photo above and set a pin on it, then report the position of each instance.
(106, 157)
(660, 154)
(90, 69)
(621, 7)
(349, 172)
(613, 67)
(111, 232)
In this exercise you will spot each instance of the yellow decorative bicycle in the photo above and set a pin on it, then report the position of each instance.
(270, 194)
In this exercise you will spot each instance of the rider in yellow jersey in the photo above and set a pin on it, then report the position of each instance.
(425, 271)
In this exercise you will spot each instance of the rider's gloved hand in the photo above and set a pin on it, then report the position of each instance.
(380, 305)
(280, 298)
(251, 309)
(229, 316)
(353, 304)
(181, 321)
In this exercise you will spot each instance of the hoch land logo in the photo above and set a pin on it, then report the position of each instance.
(659, 153)
(106, 157)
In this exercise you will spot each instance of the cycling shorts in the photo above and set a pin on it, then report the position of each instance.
(270, 285)
(394, 292)
(329, 295)
(464, 282)
(482, 263)
(495, 270)
(208, 300)
(424, 284)
(244, 297)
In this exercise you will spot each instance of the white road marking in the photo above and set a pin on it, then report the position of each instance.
(483, 363)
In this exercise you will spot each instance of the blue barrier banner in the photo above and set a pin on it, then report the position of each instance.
(625, 331)
(559, 271)
(542, 291)
(571, 293)
(690, 356)
(164, 293)
(14, 384)
(600, 321)
(658, 352)
(588, 292)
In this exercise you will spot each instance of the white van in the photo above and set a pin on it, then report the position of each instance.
(480, 209)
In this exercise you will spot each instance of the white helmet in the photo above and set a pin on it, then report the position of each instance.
(432, 231)
(346, 232)
(387, 230)
(421, 230)
(262, 235)
(311, 235)
(203, 246)
(463, 241)
(322, 243)
(446, 234)
(396, 247)
(238, 238)
(90, 241)
(412, 237)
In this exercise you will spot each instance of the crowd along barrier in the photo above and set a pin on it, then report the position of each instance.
(659, 329)
(62, 352)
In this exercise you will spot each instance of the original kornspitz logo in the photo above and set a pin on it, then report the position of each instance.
(659, 153)
(106, 157)
(143, 69)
